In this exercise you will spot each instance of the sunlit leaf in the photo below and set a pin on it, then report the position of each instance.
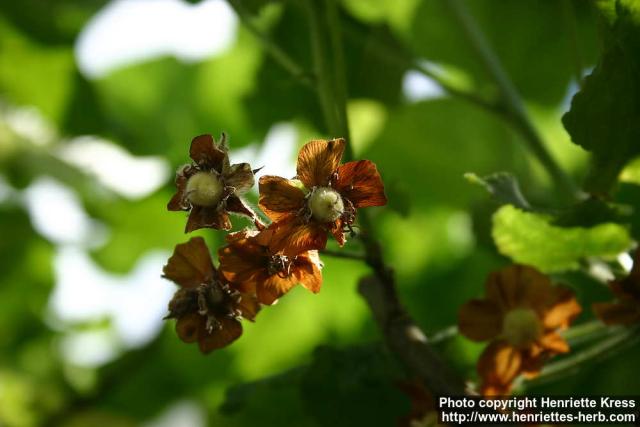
(529, 238)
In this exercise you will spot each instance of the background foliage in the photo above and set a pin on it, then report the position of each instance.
(314, 356)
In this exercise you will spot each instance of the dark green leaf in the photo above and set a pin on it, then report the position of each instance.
(604, 115)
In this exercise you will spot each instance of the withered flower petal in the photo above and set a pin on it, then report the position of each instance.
(498, 365)
(280, 198)
(206, 153)
(521, 315)
(318, 160)
(207, 217)
(230, 330)
(239, 177)
(294, 237)
(209, 188)
(361, 184)
(249, 264)
(481, 320)
(206, 308)
(190, 265)
(319, 202)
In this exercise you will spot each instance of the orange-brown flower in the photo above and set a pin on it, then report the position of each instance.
(521, 315)
(322, 199)
(210, 186)
(207, 309)
(247, 262)
(626, 310)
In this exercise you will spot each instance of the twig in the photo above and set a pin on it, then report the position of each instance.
(513, 102)
(343, 254)
(276, 52)
(407, 341)
(603, 349)
(400, 59)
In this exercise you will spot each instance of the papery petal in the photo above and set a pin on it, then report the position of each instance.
(517, 286)
(206, 153)
(337, 231)
(480, 320)
(242, 260)
(188, 326)
(238, 206)
(499, 364)
(318, 160)
(240, 177)
(291, 238)
(617, 313)
(190, 264)
(229, 332)
(207, 217)
(280, 198)
(307, 270)
(563, 310)
(274, 287)
(249, 306)
(361, 183)
(177, 202)
(553, 342)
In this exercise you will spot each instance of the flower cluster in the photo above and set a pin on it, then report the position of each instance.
(520, 315)
(260, 265)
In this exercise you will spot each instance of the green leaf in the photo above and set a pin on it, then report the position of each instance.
(540, 66)
(603, 118)
(529, 238)
(591, 212)
(428, 146)
(338, 387)
(503, 187)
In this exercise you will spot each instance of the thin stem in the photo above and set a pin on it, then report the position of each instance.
(444, 334)
(510, 95)
(402, 60)
(322, 68)
(343, 254)
(605, 348)
(276, 52)
(585, 332)
(569, 15)
(340, 74)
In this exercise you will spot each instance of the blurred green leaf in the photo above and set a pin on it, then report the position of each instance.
(136, 228)
(529, 238)
(591, 212)
(517, 31)
(338, 387)
(295, 101)
(27, 71)
(604, 115)
(342, 386)
(430, 145)
(50, 22)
